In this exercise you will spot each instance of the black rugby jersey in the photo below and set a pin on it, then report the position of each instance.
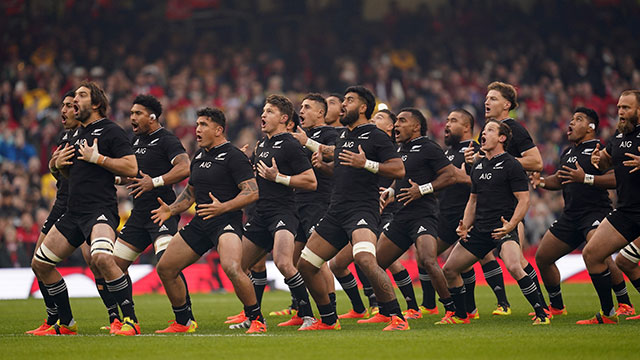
(422, 159)
(90, 185)
(627, 184)
(520, 141)
(325, 135)
(291, 160)
(62, 183)
(154, 153)
(580, 197)
(359, 186)
(494, 182)
(453, 199)
(219, 171)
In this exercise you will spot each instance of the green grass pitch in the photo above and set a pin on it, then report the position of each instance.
(490, 337)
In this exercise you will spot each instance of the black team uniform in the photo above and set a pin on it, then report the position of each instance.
(276, 207)
(494, 182)
(625, 218)
(92, 200)
(520, 142)
(354, 201)
(59, 208)
(584, 207)
(312, 205)
(154, 152)
(422, 159)
(453, 200)
(217, 171)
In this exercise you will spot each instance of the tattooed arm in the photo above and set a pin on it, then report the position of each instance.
(327, 152)
(248, 194)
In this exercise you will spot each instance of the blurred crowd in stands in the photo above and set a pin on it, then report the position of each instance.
(232, 54)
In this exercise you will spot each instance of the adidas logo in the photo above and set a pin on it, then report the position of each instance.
(497, 288)
(362, 222)
(125, 302)
(229, 227)
(479, 167)
(137, 142)
(342, 135)
(280, 224)
(163, 228)
(199, 156)
(102, 217)
(66, 135)
(596, 223)
(421, 229)
(76, 133)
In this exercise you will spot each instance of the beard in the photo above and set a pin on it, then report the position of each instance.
(452, 139)
(83, 115)
(349, 118)
(629, 125)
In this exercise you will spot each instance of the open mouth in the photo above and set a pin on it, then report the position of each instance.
(198, 138)
(487, 109)
(483, 140)
(570, 130)
(134, 126)
(263, 123)
(76, 109)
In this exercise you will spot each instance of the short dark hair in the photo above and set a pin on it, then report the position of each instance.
(366, 95)
(635, 93)
(507, 91)
(151, 103)
(98, 97)
(319, 99)
(214, 114)
(336, 95)
(69, 93)
(503, 129)
(392, 116)
(419, 116)
(470, 119)
(295, 119)
(592, 115)
(283, 104)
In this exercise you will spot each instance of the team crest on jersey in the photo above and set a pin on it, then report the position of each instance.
(498, 165)
(587, 151)
(364, 136)
(97, 132)
(154, 142)
(277, 144)
(415, 148)
(221, 156)
(316, 134)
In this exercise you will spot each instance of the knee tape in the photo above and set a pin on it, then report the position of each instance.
(102, 245)
(161, 243)
(631, 253)
(124, 252)
(44, 255)
(364, 246)
(312, 258)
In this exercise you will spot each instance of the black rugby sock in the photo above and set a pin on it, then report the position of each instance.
(182, 313)
(52, 310)
(58, 291)
(534, 276)
(458, 295)
(531, 292)
(493, 274)
(555, 296)
(119, 289)
(253, 312)
(602, 283)
(428, 292)
(403, 280)
(109, 301)
(469, 279)
(299, 291)
(327, 314)
(392, 308)
(259, 279)
(621, 293)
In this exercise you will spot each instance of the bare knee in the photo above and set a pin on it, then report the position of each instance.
(514, 268)
(232, 269)
(101, 261)
(165, 271)
(365, 260)
(449, 273)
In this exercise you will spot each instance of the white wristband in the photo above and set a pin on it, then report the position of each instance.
(589, 179)
(312, 145)
(157, 181)
(94, 157)
(117, 180)
(372, 166)
(541, 184)
(426, 189)
(283, 179)
(390, 191)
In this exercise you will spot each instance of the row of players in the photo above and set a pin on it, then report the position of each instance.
(335, 209)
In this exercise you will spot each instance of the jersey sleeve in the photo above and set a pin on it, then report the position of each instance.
(240, 167)
(384, 147)
(517, 177)
(609, 146)
(191, 166)
(298, 161)
(173, 147)
(474, 187)
(521, 138)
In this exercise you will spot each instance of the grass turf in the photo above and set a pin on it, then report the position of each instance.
(490, 337)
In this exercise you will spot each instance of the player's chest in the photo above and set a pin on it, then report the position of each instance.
(209, 168)
(490, 174)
